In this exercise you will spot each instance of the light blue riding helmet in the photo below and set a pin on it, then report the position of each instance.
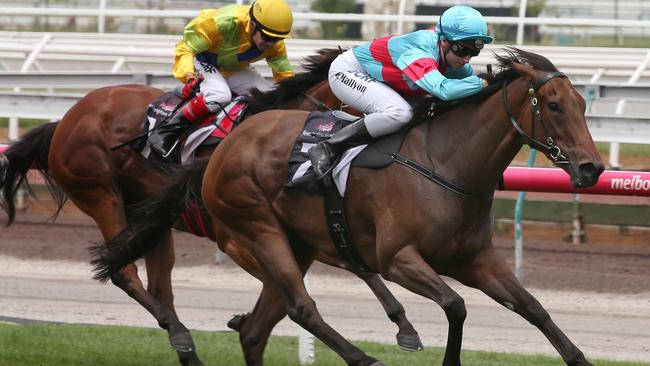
(462, 22)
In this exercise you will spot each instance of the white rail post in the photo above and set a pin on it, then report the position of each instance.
(14, 125)
(306, 350)
(101, 18)
(615, 147)
(400, 17)
(520, 24)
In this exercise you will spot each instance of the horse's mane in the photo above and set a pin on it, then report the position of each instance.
(505, 61)
(316, 66)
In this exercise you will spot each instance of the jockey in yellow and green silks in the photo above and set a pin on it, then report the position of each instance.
(219, 45)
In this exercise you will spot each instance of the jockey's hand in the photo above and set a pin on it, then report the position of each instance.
(485, 83)
(191, 87)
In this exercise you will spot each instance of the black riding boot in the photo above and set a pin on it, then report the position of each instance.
(325, 152)
(163, 138)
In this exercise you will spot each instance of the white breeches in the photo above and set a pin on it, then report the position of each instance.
(218, 89)
(386, 111)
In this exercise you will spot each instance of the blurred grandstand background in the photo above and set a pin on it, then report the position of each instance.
(572, 34)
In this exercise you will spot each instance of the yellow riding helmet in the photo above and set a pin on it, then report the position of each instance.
(273, 17)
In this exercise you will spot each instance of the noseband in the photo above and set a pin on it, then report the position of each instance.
(549, 148)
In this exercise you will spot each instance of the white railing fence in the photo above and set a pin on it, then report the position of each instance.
(102, 12)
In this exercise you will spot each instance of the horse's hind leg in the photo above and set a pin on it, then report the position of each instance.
(256, 327)
(491, 274)
(159, 276)
(266, 238)
(108, 212)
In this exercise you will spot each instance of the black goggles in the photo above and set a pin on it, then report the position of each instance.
(266, 37)
(463, 49)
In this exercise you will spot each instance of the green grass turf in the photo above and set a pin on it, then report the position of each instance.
(66, 345)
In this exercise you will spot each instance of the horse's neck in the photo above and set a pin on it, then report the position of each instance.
(472, 149)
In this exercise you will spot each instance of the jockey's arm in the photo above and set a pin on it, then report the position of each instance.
(422, 69)
(183, 61)
(279, 62)
(199, 35)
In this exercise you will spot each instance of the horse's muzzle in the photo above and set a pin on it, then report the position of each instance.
(588, 174)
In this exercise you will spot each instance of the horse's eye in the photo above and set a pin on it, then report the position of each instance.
(555, 107)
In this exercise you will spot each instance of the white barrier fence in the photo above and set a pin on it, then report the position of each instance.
(400, 18)
(616, 80)
(604, 127)
(35, 51)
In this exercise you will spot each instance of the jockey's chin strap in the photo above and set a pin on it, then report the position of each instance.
(549, 148)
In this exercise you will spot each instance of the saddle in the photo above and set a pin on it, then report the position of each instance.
(376, 155)
(209, 131)
(320, 126)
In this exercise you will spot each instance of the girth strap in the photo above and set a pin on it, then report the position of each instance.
(338, 228)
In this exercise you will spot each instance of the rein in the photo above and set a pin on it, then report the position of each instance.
(317, 102)
(549, 148)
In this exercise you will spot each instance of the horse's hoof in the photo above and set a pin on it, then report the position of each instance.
(237, 321)
(182, 342)
(409, 342)
(189, 359)
(378, 363)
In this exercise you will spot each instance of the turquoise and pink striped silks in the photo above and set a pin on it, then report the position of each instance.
(412, 64)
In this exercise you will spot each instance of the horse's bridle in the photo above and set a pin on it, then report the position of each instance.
(549, 148)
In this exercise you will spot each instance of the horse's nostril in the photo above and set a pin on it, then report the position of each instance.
(590, 172)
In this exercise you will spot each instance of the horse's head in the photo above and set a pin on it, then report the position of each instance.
(555, 123)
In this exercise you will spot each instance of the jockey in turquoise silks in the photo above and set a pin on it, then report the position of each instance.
(373, 77)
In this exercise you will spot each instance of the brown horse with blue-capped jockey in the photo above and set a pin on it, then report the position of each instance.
(86, 157)
(429, 215)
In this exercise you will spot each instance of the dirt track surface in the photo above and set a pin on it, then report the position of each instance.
(599, 293)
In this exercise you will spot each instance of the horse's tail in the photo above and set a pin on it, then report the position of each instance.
(148, 222)
(30, 152)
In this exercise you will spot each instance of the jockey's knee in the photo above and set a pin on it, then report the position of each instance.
(388, 121)
(402, 115)
(214, 97)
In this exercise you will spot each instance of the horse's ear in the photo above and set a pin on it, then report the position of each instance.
(524, 70)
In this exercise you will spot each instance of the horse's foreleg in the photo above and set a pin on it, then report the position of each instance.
(407, 336)
(409, 269)
(491, 274)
